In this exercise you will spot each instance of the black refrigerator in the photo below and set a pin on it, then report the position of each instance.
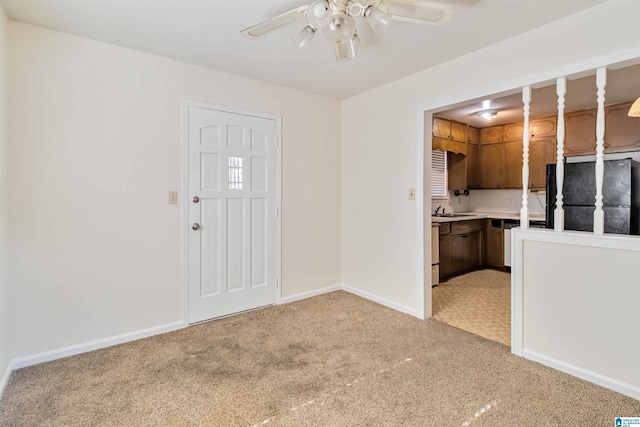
(620, 190)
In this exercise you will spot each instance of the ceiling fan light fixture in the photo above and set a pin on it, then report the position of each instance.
(351, 49)
(488, 114)
(319, 14)
(341, 28)
(377, 19)
(304, 37)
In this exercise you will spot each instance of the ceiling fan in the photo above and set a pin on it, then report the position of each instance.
(336, 19)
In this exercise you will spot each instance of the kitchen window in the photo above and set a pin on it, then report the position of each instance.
(438, 174)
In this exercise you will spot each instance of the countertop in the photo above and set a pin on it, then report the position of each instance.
(482, 215)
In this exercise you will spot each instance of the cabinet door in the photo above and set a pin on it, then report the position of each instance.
(622, 133)
(445, 256)
(441, 128)
(473, 250)
(473, 166)
(512, 164)
(495, 247)
(459, 256)
(580, 133)
(546, 126)
(490, 165)
(491, 135)
(473, 135)
(458, 132)
(456, 171)
(542, 151)
(512, 132)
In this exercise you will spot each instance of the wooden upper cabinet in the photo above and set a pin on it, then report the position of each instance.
(542, 151)
(458, 132)
(473, 166)
(490, 165)
(491, 135)
(456, 171)
(622, 133)
(546, 126)
(473, 135)
(512, 164)
(512, 132)
(443, 128)
(580, 133)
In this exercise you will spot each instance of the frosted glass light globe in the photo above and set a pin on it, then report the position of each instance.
(318, 14)
(341, 28)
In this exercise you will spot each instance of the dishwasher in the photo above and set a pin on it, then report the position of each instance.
(508, 225)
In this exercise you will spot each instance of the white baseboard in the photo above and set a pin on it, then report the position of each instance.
(304, 295)
(5, 378)
(47, 356)
(601, 380)
(380, 300)
(72, 350)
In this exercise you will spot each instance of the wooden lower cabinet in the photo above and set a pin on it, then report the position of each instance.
(494, 243)
(446, 261)
(460, 251)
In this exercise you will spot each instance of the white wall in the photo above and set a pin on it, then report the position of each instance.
(504, 201)
(579, 305)
(5, 313)
(379, 157)
(95, 147)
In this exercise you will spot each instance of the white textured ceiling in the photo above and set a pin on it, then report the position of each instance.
(206, 33)
(623, 85)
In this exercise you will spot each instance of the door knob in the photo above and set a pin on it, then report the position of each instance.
(196, 226)
(196, 199)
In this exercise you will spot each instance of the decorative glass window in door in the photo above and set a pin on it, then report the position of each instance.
(235, 173)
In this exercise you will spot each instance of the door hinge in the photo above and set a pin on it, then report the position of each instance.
(277, 283)
(277, 212)
(277, 141)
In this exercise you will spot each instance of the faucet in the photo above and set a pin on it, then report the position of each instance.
(438, 210)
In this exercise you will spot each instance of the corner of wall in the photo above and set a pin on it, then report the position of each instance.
(5, 314)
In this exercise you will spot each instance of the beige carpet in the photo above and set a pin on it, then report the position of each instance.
(333, 360)
(478, 302)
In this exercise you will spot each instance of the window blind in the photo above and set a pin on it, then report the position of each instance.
(438, 174)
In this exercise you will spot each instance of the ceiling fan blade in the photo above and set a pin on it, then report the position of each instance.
(417, 11)
(274, 23)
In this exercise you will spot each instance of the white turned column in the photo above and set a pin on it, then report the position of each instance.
(558, 220)
(598, 215)
(524, 211)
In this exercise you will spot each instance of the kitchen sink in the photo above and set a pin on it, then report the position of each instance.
(452, 215)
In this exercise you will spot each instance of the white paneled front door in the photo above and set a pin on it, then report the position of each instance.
(232, 212)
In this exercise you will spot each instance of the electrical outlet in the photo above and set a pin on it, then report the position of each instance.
(173, 197)
(412, 194)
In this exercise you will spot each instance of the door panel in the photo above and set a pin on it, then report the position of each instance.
(232, 249)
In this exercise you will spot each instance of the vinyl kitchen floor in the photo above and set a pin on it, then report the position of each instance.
(477, 302)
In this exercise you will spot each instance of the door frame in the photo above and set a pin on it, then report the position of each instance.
(184, 197)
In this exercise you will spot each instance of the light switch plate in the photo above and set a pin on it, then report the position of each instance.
(412, 194)
(173, 197)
